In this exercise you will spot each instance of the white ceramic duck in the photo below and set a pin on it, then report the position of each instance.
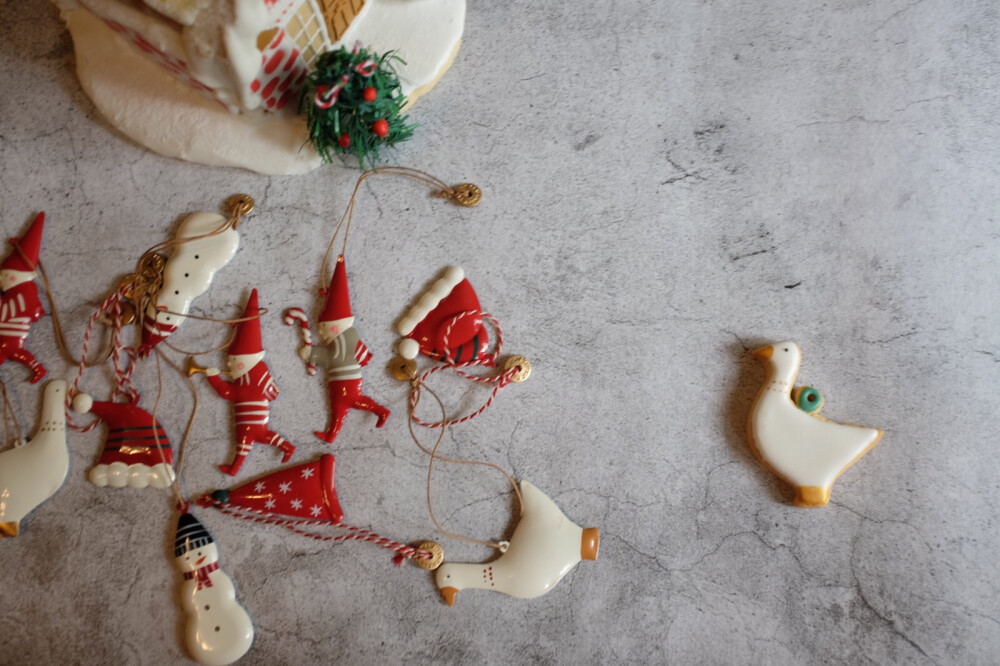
(544, 547)
(33, 472)
(802, 448)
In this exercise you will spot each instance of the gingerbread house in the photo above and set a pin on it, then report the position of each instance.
(245, 54)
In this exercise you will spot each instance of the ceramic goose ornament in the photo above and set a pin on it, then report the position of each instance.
(33, 472)
(544, 547)
(804, 449)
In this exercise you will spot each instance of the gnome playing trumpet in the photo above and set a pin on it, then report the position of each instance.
(342, 355)
(19, 304)
(251, 389)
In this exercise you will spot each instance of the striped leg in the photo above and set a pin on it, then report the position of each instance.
(287, 448)
(25, 357)
(242, 451)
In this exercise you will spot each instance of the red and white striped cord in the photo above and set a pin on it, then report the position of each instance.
(123, 382)
(293, 315)
(489, 360)
(403, 551)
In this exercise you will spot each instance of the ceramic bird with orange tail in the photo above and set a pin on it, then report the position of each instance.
(792, 440)
(544, 547)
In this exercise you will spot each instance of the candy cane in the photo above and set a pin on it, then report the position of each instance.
(293, 315)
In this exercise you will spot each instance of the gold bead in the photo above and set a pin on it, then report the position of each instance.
(467, 195)
(436, 558)
(241, 204)
(127, 314)
(523, 367)
(403, 369)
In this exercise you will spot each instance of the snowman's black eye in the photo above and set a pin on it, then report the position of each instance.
(786, 348)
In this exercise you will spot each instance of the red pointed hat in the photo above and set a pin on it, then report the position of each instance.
(446, 321)
(338, 299)
(247, 338)
(24, 256)
(301, 491)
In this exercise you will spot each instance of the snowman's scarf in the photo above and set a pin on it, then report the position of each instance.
(202, 573)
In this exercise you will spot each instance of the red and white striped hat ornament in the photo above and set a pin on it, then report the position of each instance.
(446, 323)
(24, 256)
(247, 338)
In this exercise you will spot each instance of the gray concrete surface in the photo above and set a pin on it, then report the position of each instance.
(666, 185)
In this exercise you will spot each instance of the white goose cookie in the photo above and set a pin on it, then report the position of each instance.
(545, 546)
(791, 439)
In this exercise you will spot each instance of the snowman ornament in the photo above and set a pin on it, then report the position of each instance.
(219, 630)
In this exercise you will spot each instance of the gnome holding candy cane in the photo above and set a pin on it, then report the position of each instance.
(251, 388)
(19, 304)
(342, 356)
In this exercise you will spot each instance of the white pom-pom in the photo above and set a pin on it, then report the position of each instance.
(82, 403)
(408, 348)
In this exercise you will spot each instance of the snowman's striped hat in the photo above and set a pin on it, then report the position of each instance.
(191, 535)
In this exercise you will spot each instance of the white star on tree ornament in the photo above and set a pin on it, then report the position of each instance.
(270, 503)
(307, 472)
(285, 487)
(316, 509)
(296, 504)
(259, 486)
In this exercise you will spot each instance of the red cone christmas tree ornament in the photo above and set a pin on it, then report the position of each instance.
(342, 355)
(302, 491)
(218, 630)
(303, 496)
(20, 306)
(251, 389)
(137, 452)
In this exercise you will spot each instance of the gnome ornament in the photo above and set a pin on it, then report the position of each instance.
(251, 389)
(19, 303)
(342, 355)
(302, 491)
(137, 452)
(219, 630)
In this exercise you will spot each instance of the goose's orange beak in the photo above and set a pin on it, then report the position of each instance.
(763, 353)
(449, 594)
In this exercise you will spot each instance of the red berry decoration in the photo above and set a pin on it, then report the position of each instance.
(369, 94)
(344, 140)
(381, 127)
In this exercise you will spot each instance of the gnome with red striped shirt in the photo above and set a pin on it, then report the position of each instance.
(19, 303)
(342, 355)
(251, 389)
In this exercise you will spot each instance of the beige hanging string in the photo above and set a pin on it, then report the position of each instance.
(9, 416)
(182, 504)
(502, 545)
(465, 194)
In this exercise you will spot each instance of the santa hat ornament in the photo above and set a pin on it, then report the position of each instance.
(137, 452)
(337, 306)
(301, 491)
(24, 256)
(446, 323)
(247, 338)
